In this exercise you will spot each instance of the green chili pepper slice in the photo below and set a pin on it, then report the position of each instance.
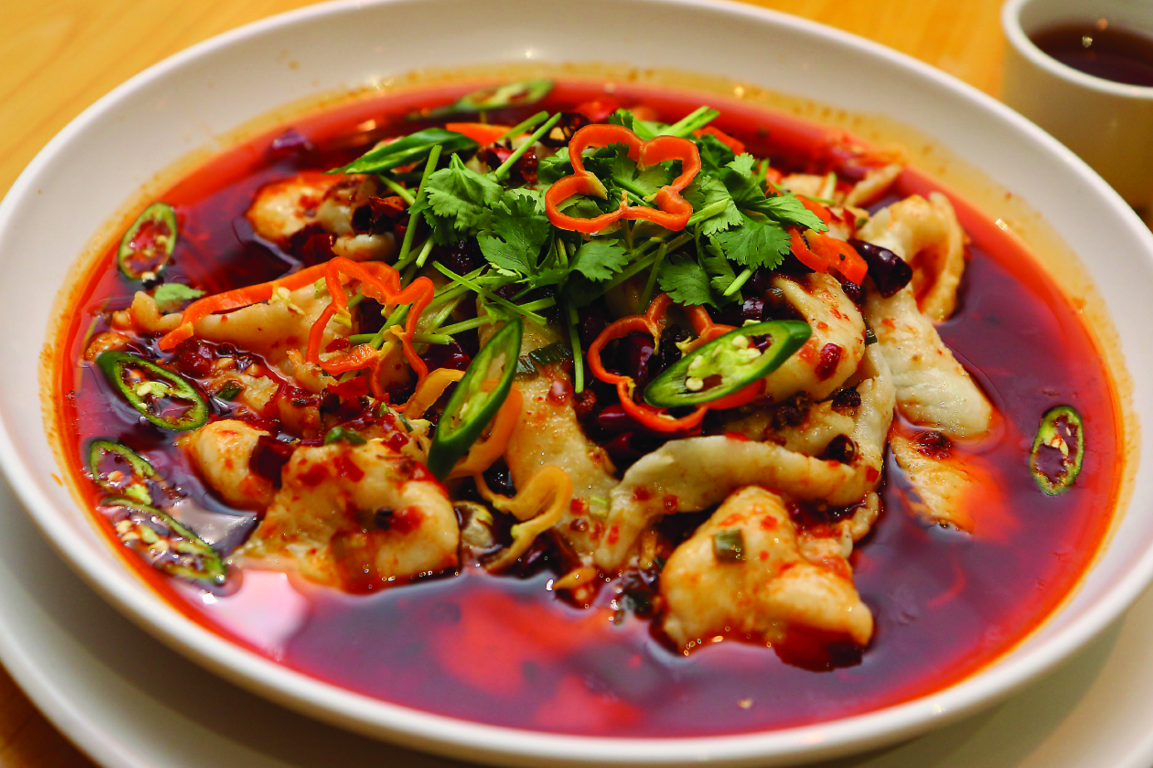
(1055, 460)
(165, 398)
(146, 248)
(413, 148)
(167, 545)
(472, 406)
(120, 470)
(726, 364)
(516, 94)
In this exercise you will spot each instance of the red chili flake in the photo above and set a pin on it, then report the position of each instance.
(406, 520)
(934, 444)
(559, 392)
(392, 206)
(738, 436)
(769, 523)
(735, 518)
(642, 494)
(353, 389)
(830, 358)
(396, 441)
(871, 474)
(421, 474)
(613, 536)
(269, 457)
(195, 358)
(578, 506)
(585, 403)
(315, 475)
(346, 467)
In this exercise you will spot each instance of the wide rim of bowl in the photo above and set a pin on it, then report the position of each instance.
(472, 740)
(1015, 33)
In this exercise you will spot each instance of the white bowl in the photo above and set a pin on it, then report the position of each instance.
(83, 178)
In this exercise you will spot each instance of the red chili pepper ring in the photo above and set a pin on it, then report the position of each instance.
(672, 211)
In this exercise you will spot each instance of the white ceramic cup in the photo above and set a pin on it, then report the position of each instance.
(1109, 124)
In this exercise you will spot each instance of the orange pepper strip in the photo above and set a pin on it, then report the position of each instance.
(821, 212)
(430, 390)
(484, 453)
(236, 299)
(822, 252)
(834, 252)
(804, 255)
(360, 356)
(482, 133)
(672, 211)
(381, 283)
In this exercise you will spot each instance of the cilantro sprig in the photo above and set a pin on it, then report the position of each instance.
(739, 224)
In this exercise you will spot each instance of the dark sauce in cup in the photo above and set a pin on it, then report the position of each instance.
(1101, 49)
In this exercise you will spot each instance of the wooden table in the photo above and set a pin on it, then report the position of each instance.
(59, 56)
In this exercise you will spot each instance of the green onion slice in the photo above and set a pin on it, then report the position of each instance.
(166, 399)
(413, 148)
(167, 545)
(146, 248)
(120, 470)
(729, 546)
(726, 364)
(1055, 459)
(473, 404)
(516, 94)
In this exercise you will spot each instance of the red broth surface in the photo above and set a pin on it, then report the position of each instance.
(504, 650)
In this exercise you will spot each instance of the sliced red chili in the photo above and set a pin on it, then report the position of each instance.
(672, 211)
(653, 323)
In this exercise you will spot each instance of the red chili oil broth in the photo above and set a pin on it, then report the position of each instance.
(504, 650)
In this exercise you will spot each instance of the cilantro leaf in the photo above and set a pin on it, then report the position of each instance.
(626, 174)
(463, 195)
(622, 117)
(551, 169)
(685, 281)
(443, 232)
(715, 154)
(742, 185)
(749, 196)
(580, 207)
(643, 128)
(174, 293)
(600, 259)
(721, 272)
(518, 231)
(534, 195)
(579, 291)
(707, 191)
(787, 209)
(743, 164)
(756, 242)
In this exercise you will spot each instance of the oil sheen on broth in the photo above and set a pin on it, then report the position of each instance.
(507, 649)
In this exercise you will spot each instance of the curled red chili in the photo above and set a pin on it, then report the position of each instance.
(653, 322)
(821, 253)
(672, 211)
